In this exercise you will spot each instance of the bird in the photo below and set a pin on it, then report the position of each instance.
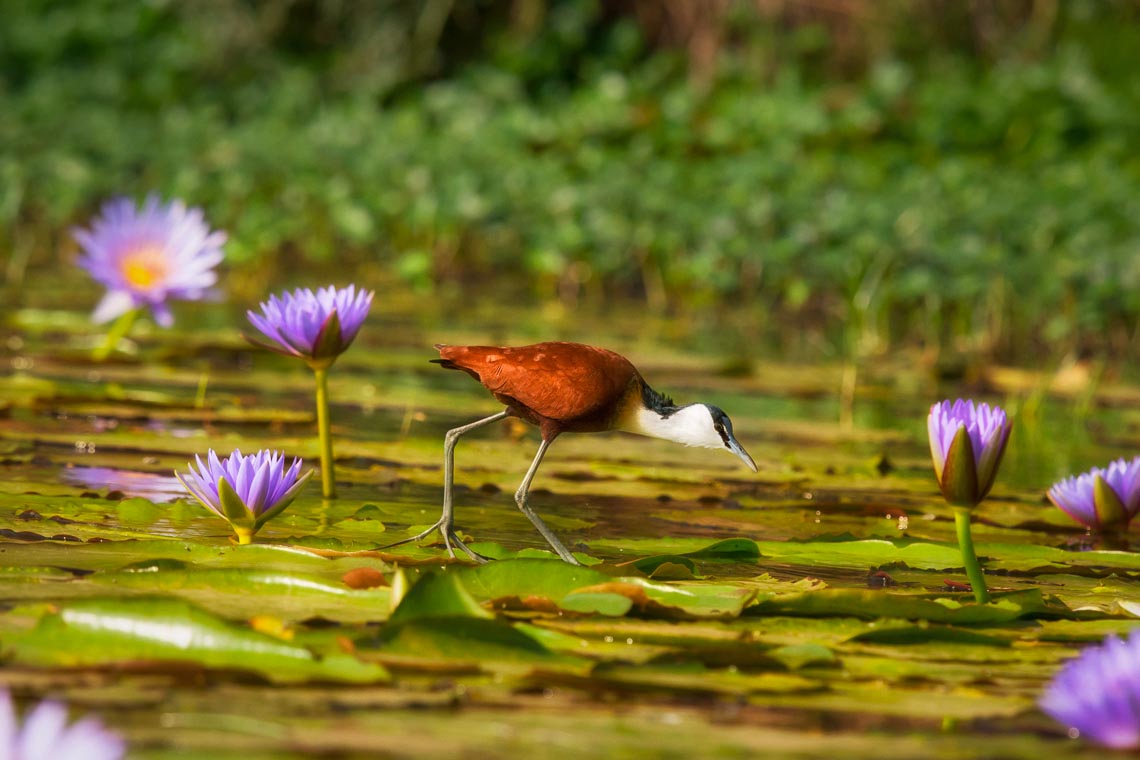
(563, 387)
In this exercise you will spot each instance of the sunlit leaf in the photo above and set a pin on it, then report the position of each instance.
(168, 632)
(435, 595)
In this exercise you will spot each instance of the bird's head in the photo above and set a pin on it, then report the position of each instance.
(702, 425)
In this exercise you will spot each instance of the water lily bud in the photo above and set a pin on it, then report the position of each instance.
(967, 441)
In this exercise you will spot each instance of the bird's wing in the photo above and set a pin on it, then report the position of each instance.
(561, 381)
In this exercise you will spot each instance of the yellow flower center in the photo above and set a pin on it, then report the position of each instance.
(144, 268)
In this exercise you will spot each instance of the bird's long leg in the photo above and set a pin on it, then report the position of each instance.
(446, 519)
(521, 500)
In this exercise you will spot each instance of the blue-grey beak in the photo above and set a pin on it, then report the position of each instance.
(735, 447)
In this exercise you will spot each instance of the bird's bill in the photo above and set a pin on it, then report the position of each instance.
(735, 447)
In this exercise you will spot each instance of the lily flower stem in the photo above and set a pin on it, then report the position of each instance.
(328, 474)
(969, 558)
(119, 329)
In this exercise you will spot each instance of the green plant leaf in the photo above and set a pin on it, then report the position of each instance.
(435, 595)
(168, 631)
(931, 607)
(734, 549)
(488, 644)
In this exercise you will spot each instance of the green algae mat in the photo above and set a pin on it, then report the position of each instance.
(815, 609)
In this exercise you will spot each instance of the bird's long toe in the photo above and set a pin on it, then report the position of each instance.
(450, 538)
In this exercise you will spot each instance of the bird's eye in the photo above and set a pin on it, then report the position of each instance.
(719, 428)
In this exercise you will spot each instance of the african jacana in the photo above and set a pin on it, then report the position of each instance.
(570, 388)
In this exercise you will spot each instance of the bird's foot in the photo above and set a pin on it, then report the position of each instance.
(450, 540)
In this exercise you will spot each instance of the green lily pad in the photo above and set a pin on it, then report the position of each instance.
(159, 630)
(931, 607)
(436, 595)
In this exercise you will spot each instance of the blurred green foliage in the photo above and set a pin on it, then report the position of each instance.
(909, 185)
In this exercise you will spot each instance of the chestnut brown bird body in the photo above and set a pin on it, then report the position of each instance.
(560, 387)
(570, 388)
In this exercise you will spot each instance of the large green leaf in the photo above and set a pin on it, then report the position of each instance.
(166, 633)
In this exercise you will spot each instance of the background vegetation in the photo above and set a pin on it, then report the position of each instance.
(872, 174)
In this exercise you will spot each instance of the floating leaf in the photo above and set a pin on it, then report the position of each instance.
(490, 644)
(602, 600)
(875, 604)
(436, 595)
(698, 679)
(170, 632)
(923, 634)
(735, 549)
(796, 656)
(651, 565)
(549, 578)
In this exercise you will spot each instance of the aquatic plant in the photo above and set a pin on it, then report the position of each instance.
(317, 327)
(46, 733)
(246, 491)
(147, 256)
(1105, 499)
(1097, 694)
(967, 441)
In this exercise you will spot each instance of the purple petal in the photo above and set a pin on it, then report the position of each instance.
(115, 304)
(42, 728)
(258, 488)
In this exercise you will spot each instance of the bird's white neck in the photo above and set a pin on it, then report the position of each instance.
(690, 425)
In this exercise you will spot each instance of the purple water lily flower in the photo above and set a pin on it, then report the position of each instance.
(1097, 695)
(45, 733)
(247, 491)
(316, 327)
(1101, 498)
(148, 256)
(967, 441)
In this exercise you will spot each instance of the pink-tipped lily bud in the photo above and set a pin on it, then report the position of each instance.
(967, 441)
